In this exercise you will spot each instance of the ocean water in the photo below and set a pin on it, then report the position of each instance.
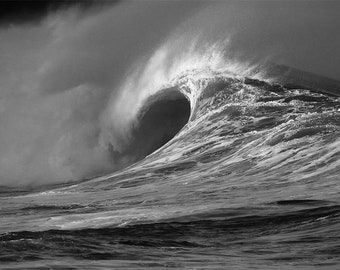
(246, 176)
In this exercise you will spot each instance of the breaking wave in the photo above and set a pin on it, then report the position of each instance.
(71, 111)
(156, 99)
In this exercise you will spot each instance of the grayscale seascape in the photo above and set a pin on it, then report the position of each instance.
(177, 155)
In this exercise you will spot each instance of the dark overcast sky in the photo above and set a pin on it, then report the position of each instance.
(19, 11)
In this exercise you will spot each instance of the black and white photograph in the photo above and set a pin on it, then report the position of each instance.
(170, 134)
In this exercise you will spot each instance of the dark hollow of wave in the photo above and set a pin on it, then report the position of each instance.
(160, 119)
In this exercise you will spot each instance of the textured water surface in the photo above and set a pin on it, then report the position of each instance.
(250, 182)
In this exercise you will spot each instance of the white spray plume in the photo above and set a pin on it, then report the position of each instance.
(178, 56)
(55, 81)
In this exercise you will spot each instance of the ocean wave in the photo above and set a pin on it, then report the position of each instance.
(192, 153)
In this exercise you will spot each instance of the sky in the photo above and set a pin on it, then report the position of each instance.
(21, 12)
(303, 34)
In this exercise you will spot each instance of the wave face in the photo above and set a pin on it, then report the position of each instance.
(251, 180)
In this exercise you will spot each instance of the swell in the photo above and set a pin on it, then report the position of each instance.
(207, 232)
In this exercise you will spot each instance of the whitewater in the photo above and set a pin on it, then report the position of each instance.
(196, 160)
